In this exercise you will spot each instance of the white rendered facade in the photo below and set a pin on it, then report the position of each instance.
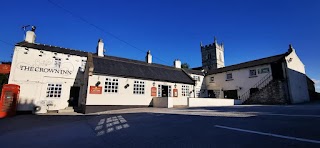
(35, 69)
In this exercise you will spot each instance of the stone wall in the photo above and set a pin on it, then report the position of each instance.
(273, 93)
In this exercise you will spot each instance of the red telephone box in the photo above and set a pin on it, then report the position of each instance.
(9, 100)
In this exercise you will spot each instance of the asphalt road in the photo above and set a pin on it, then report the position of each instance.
(236, 126)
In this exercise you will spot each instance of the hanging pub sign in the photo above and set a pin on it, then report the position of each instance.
(95, 90)
(175, 92)
(5, 68)
(153, 91)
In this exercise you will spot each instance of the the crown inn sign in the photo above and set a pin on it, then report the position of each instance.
(45, 70)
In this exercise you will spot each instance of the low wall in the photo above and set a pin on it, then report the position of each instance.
(206, 102)
(180, 101)
(163, 102)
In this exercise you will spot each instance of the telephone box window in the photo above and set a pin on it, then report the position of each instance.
(54, 90)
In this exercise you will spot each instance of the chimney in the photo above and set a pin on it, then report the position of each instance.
(149, 57)
(177, 63)
(100, 50)
(30, 35)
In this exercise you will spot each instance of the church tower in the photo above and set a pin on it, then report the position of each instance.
(212, 55)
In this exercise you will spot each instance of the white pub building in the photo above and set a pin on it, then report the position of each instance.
(58, 79)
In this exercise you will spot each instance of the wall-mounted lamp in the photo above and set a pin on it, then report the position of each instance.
(175, 85)
(154, 83)
(126, 86)
(27, 50)
(98, 83)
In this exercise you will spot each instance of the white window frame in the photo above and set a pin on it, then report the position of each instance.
(159, 90)
(54, 90)
(111, 85)
(138, 87)
(185, 90)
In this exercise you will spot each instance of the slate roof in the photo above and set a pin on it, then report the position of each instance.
(122, 67)
(191, 71)
(52, 48)
(253, 63)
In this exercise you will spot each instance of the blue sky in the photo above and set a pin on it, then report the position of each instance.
(171, 29)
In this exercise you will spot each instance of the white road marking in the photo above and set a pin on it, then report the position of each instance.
(269, 134)
(288, 115)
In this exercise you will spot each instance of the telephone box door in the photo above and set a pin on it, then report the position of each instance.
(9, 100)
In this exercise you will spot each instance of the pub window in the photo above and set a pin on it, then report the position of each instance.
(159, 90)
(169, 87)
(229, 76)
(197, 78)
(185, 90)
(54, 90)
(264, 70)
(138, 87)
(111, 85)
(252, 73)
(57, 62)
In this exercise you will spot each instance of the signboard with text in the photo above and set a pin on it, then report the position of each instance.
(153, 91)
(5, 68)
(95, 90)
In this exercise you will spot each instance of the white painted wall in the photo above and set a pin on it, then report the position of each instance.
(199, 87)
(297, 81)
(241, 82)
(33, 83)
(206, 102)
(125, 96)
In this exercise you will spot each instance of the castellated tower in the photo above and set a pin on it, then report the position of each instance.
(212, 55)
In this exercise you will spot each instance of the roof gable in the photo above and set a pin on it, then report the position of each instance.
(52, 48)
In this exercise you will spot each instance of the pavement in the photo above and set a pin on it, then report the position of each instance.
(233, 126)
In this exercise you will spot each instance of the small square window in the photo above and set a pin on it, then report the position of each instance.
(229, 76)
(252, 73)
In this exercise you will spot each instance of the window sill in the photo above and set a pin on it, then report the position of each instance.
(229, 79)
(253, 76)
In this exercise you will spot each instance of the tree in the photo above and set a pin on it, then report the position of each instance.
(185, 65)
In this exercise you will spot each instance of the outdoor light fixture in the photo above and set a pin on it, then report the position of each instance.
(175, 85)
(154, 83)
(98, 83)
(126, 86)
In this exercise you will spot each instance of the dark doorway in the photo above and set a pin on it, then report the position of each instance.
(211, 94)
(231, 94)
(277, 71)
(164, 91)
(74, 96)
